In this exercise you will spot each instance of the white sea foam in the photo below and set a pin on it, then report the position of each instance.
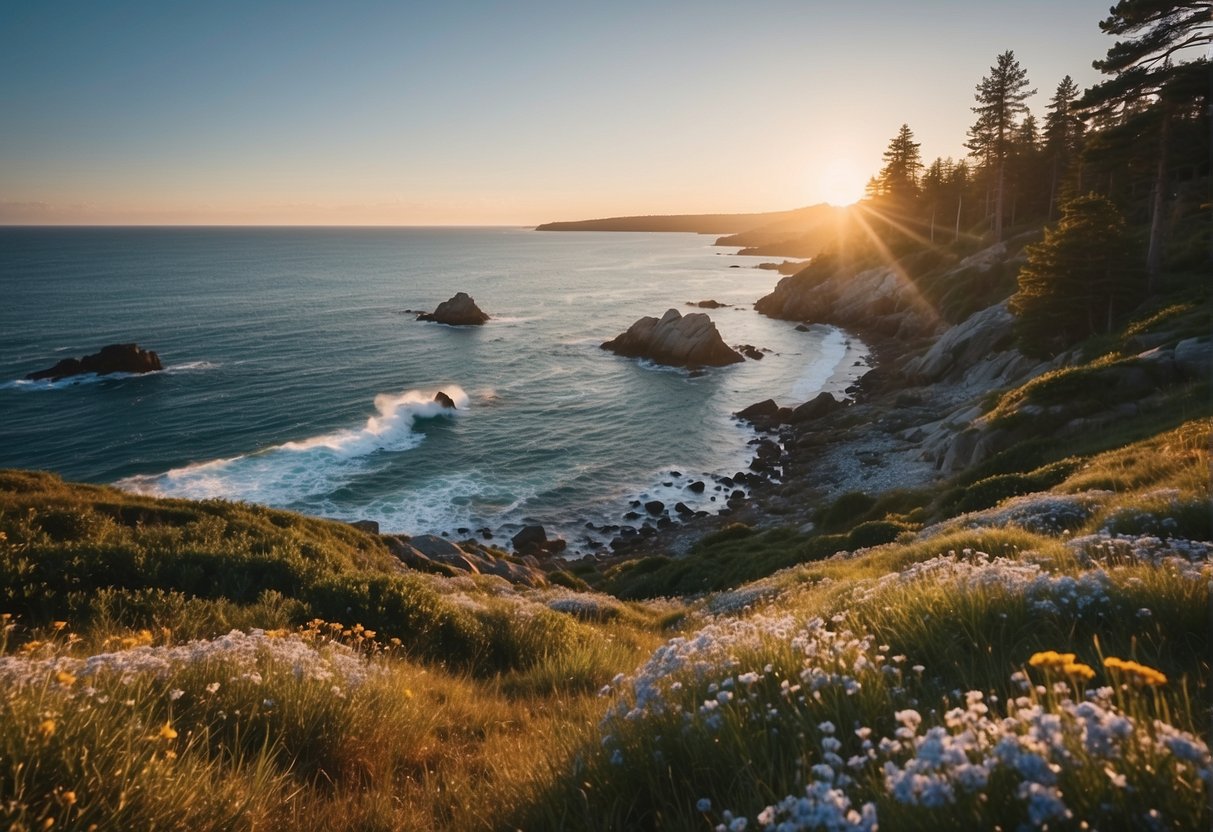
(307, 468)
(831, 351)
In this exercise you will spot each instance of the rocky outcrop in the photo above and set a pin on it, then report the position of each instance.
(676, 340)
(534, 540)
(430, 553)
(878, 300)
(114, 358)
(708, 304)
(460, 310)
(446, 401)
(959, 348)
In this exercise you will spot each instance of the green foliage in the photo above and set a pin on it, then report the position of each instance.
(1078, 281)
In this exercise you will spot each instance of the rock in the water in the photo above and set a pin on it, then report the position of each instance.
(460, 310)
(677, 340)
(444, 400)
(708, 304)
(654, 506)
(696, 487)
(114, 358)
(750, 351)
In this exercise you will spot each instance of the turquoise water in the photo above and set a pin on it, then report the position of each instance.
(295, 378)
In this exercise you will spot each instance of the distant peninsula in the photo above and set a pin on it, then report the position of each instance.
(800, 232)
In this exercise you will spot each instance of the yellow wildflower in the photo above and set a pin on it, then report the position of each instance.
(369, 633)
(64, 678)
(1137, 674)
(168, 732)
(1079, 672)
(58, 625)
(69, 798)
(1051, 660)
(47, 728)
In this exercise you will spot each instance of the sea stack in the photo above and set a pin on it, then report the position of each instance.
(114, 358)
(460, 310)
(676, 340)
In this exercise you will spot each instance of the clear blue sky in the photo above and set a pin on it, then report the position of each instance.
(490, 113)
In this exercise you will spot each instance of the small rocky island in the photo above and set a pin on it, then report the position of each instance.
(676, 340)
(113, 358)
(460, 310)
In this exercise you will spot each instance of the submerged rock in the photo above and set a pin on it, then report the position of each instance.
(460, 310)
(676, 340)
(114, 358)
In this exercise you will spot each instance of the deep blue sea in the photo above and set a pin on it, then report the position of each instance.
(295, 378)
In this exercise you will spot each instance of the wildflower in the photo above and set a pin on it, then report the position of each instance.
(1078, 672)
(47, 728)
(175, 694)
(69, 798)
(1051, 660)
(703, 805)
(167, 732)
(64, 678)
(1137, 674)
(58, 625)
(212, 687)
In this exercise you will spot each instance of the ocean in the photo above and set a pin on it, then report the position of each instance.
(295, 376)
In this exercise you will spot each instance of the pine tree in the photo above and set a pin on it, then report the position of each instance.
(1000, 101)
(899, 176)
(1062, 136)
(1147, 82)
(1078, 281)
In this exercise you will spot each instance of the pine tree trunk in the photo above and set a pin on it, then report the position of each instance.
(959, 202)
(998, 201)
(1158, 209)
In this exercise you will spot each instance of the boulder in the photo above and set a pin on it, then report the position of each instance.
(534, 540)
(460, 310)
(444, 400)
(654, 506)
(750, 351)
(708, 304)
(676, 340)
(822, 405)
(114, 358)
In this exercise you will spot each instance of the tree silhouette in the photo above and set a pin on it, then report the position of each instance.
(902, 164)
(1000, 101)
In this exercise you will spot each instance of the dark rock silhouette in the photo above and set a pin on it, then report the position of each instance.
(114, 358)
(677, 340)
(460, 310)
(444, 400)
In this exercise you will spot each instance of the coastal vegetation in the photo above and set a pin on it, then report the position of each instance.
(1022, 641)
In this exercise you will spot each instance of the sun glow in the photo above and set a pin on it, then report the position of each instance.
(839, 182)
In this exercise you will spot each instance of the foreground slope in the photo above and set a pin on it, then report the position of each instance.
(210, 666)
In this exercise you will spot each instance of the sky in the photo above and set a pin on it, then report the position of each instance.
(485, 113)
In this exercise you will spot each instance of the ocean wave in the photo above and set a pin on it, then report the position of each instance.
(92, 378)
(304, 469)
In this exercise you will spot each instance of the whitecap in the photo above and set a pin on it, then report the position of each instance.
(303, 469)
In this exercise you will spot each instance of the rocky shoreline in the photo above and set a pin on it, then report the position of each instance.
(917, 417)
